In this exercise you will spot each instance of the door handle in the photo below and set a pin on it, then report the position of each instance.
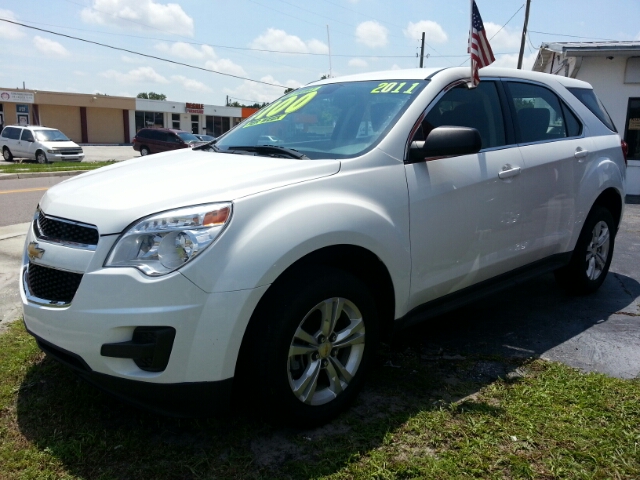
(508, 171)
(580, 153)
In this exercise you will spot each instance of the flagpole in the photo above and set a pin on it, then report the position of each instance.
(470, 40)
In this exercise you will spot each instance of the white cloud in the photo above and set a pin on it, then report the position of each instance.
(190, 84)
(257, 92)
(506, 40)
(139, 75)
(80, 73)
(225, 65)
(372, 34)
(185, 51)
(275, 39)
(395, 66)
(9, 31)
(127, 59)
(50, 47)
(433, 32)
(511, 61)
(139, 14)
(358, 63)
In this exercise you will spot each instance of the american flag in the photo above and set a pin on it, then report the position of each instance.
(479, 48)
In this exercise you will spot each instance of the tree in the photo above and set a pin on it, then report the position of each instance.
(152, 96)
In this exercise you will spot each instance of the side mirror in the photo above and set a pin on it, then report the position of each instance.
(446, 141)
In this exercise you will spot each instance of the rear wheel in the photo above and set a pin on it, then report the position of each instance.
(144, 151)
(314, 344)
(592, 256)
(6, 154)
(41, 157)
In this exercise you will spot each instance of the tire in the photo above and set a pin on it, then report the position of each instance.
(144, 151)
(6, 154)
(591, 258)
(309, 370)
(41, 157)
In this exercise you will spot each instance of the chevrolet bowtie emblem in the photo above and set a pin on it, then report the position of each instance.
(34, 251)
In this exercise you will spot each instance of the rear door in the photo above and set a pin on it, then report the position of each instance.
(553, 146)
(465, 210)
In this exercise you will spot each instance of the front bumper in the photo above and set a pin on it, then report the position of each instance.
(188, 399)
(61, 157)
(111, 303)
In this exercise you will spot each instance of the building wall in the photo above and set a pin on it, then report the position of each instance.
(64, 118)
(105, 125)
(607, 78)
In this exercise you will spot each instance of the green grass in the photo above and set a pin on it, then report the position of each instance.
(30, 167)
(430, 418)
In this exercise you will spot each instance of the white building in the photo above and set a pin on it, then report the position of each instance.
(613, 68)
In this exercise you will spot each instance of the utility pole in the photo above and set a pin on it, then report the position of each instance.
(524, 34)
(422, 52)
(329, 42)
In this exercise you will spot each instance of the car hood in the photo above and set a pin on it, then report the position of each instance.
(52, 145)
(113, 197)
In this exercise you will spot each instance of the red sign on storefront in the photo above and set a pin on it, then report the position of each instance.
(195, 108)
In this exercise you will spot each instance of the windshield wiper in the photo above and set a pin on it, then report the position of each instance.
(209, 146)
(271, 149)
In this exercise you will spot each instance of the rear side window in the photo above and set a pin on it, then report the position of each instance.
(588, 97)
(11, 132)
(540, 115)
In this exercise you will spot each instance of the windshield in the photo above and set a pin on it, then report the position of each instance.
(338, 120)
(188, 137)
(51, 136)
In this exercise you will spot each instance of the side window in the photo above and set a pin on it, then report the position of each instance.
(540, 114)
(11, 132)
(477, 108)
(27, 135)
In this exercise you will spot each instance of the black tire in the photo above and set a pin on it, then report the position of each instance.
(294, 311)
(144, 151)
(591, 258)
(41, 157)
(6, 154)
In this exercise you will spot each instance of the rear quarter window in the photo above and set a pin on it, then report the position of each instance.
(11, 132)
(588, 97)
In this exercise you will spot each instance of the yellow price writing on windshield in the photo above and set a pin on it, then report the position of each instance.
(281, 108)
(394, 87)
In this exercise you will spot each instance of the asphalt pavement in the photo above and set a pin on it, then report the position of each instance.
(599, 332)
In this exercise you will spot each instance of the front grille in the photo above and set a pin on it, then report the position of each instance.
(56, 230)
(73, 151)
(51, 284)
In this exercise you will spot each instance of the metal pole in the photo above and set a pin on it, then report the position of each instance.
(524, 35)
(469, 46)
(422, 52)
(329, 42)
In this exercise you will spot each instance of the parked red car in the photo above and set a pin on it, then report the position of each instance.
(155, 140)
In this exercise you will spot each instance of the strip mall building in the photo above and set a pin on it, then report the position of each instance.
(104, 119)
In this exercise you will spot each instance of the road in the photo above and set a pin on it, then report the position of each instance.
(19, 198)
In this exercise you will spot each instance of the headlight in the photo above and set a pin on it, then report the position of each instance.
(164, 242)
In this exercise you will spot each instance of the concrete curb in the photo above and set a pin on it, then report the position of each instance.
(15, 176)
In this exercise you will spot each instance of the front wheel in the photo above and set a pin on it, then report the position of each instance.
(592, 256)
(315, 343)
(41, 157)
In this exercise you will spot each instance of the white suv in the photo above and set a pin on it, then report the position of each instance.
(273, 269)
(37, 143)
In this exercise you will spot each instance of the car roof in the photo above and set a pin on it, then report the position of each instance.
(456, 73)
(32, 127)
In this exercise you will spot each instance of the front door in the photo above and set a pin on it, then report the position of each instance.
(465, 210)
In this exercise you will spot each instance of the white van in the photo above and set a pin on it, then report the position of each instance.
(38, 143)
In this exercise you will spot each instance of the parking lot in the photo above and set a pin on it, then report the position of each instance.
(102, 153)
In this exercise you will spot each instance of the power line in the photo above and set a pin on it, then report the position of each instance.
(141, 54)
(574, 36)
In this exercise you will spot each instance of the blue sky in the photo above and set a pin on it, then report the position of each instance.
(233, 37)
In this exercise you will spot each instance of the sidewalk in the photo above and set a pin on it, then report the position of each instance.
(11, 245)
